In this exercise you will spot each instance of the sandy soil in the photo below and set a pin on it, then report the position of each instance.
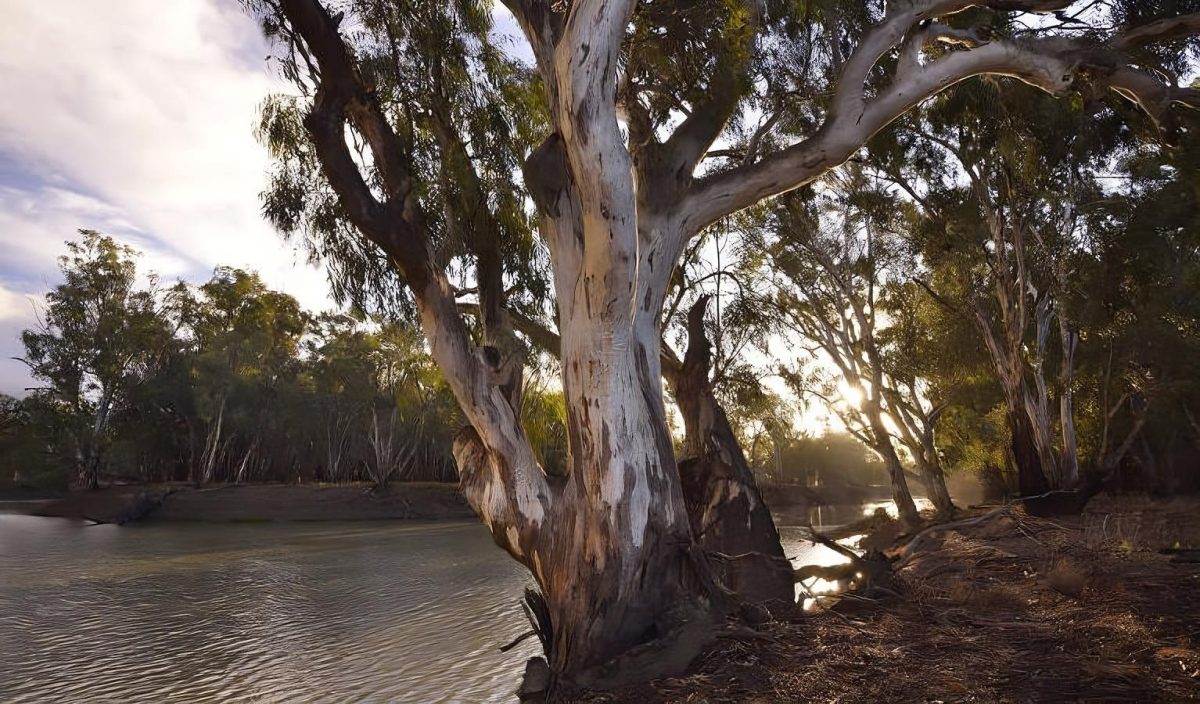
(1013, 609)
(262, 503)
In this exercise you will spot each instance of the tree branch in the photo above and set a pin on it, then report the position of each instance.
(1052, 64)
(1158, 31)
(397, 226)
(689, 142)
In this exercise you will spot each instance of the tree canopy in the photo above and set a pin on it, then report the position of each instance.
(652, 123)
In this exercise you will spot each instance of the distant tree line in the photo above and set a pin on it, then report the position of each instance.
(228, 381)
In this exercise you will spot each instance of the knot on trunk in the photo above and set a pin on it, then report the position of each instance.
(546, 174)
(505, 370)
(470, 455)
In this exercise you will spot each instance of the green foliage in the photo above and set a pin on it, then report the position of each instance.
(544, 418)
(467, 113)
(1109, 223)
(100, 338)
(1109, 230)
(230, 381)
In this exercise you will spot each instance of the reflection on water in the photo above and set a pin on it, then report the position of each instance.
(325, 612)
(317, 612)
(871, 507)
(801, 551)
(836, 515)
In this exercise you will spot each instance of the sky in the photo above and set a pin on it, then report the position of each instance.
(135, 118)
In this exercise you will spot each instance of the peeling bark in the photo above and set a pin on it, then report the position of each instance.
(625, 589)
(726, 510)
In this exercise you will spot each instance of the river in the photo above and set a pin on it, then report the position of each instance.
(311, 612)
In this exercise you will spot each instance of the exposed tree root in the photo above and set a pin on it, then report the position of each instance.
(983, 618)
(867, 573)
(927, 536)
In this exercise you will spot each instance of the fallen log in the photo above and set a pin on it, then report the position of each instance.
(829, 573)
(868, 573)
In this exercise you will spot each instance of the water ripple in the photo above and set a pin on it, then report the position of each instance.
(320, 613)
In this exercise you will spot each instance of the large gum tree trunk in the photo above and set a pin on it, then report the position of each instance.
(623, 590)
(727, 513)
(614, 559)
(901, 496)
(935, 484)
(1031, 481)
(630, 567)
(627, 592)
(1027, 453)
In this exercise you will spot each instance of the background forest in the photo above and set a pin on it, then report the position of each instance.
(227, 381)
(1004, 284)
(230, 381)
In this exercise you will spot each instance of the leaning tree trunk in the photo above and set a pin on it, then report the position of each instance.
(917, 434)
(726, 510)
(1031, 481)
(935, 483)
(931, 468)
(882, 444)
(901, 496)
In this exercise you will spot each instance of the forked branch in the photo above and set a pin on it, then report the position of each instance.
(1054, 64)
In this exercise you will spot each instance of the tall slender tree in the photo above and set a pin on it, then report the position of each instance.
(100, 337)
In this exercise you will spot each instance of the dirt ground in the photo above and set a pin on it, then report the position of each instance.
(1011, 609)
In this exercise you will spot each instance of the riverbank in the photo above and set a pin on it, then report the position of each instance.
(261, 503)
(1012, 608)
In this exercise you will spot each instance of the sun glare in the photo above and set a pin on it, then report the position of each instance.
(852, 395)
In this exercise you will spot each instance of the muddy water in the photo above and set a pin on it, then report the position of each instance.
(801, 551)
(264, 613)
(300, 612)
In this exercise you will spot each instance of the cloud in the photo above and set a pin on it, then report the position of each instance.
(17, 312)
(148, 108)
(136, 118)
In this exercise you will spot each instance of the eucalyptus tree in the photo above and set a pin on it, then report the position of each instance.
(18, 441)
(341, 363)
(916, 401)
(241, 342)
(99, 337)
(1138, 308)
(1063, 228)
(830, 269)
(610, 544)
(997, 194)
(12, 416)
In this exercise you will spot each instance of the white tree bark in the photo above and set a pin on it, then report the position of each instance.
(610, 545)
